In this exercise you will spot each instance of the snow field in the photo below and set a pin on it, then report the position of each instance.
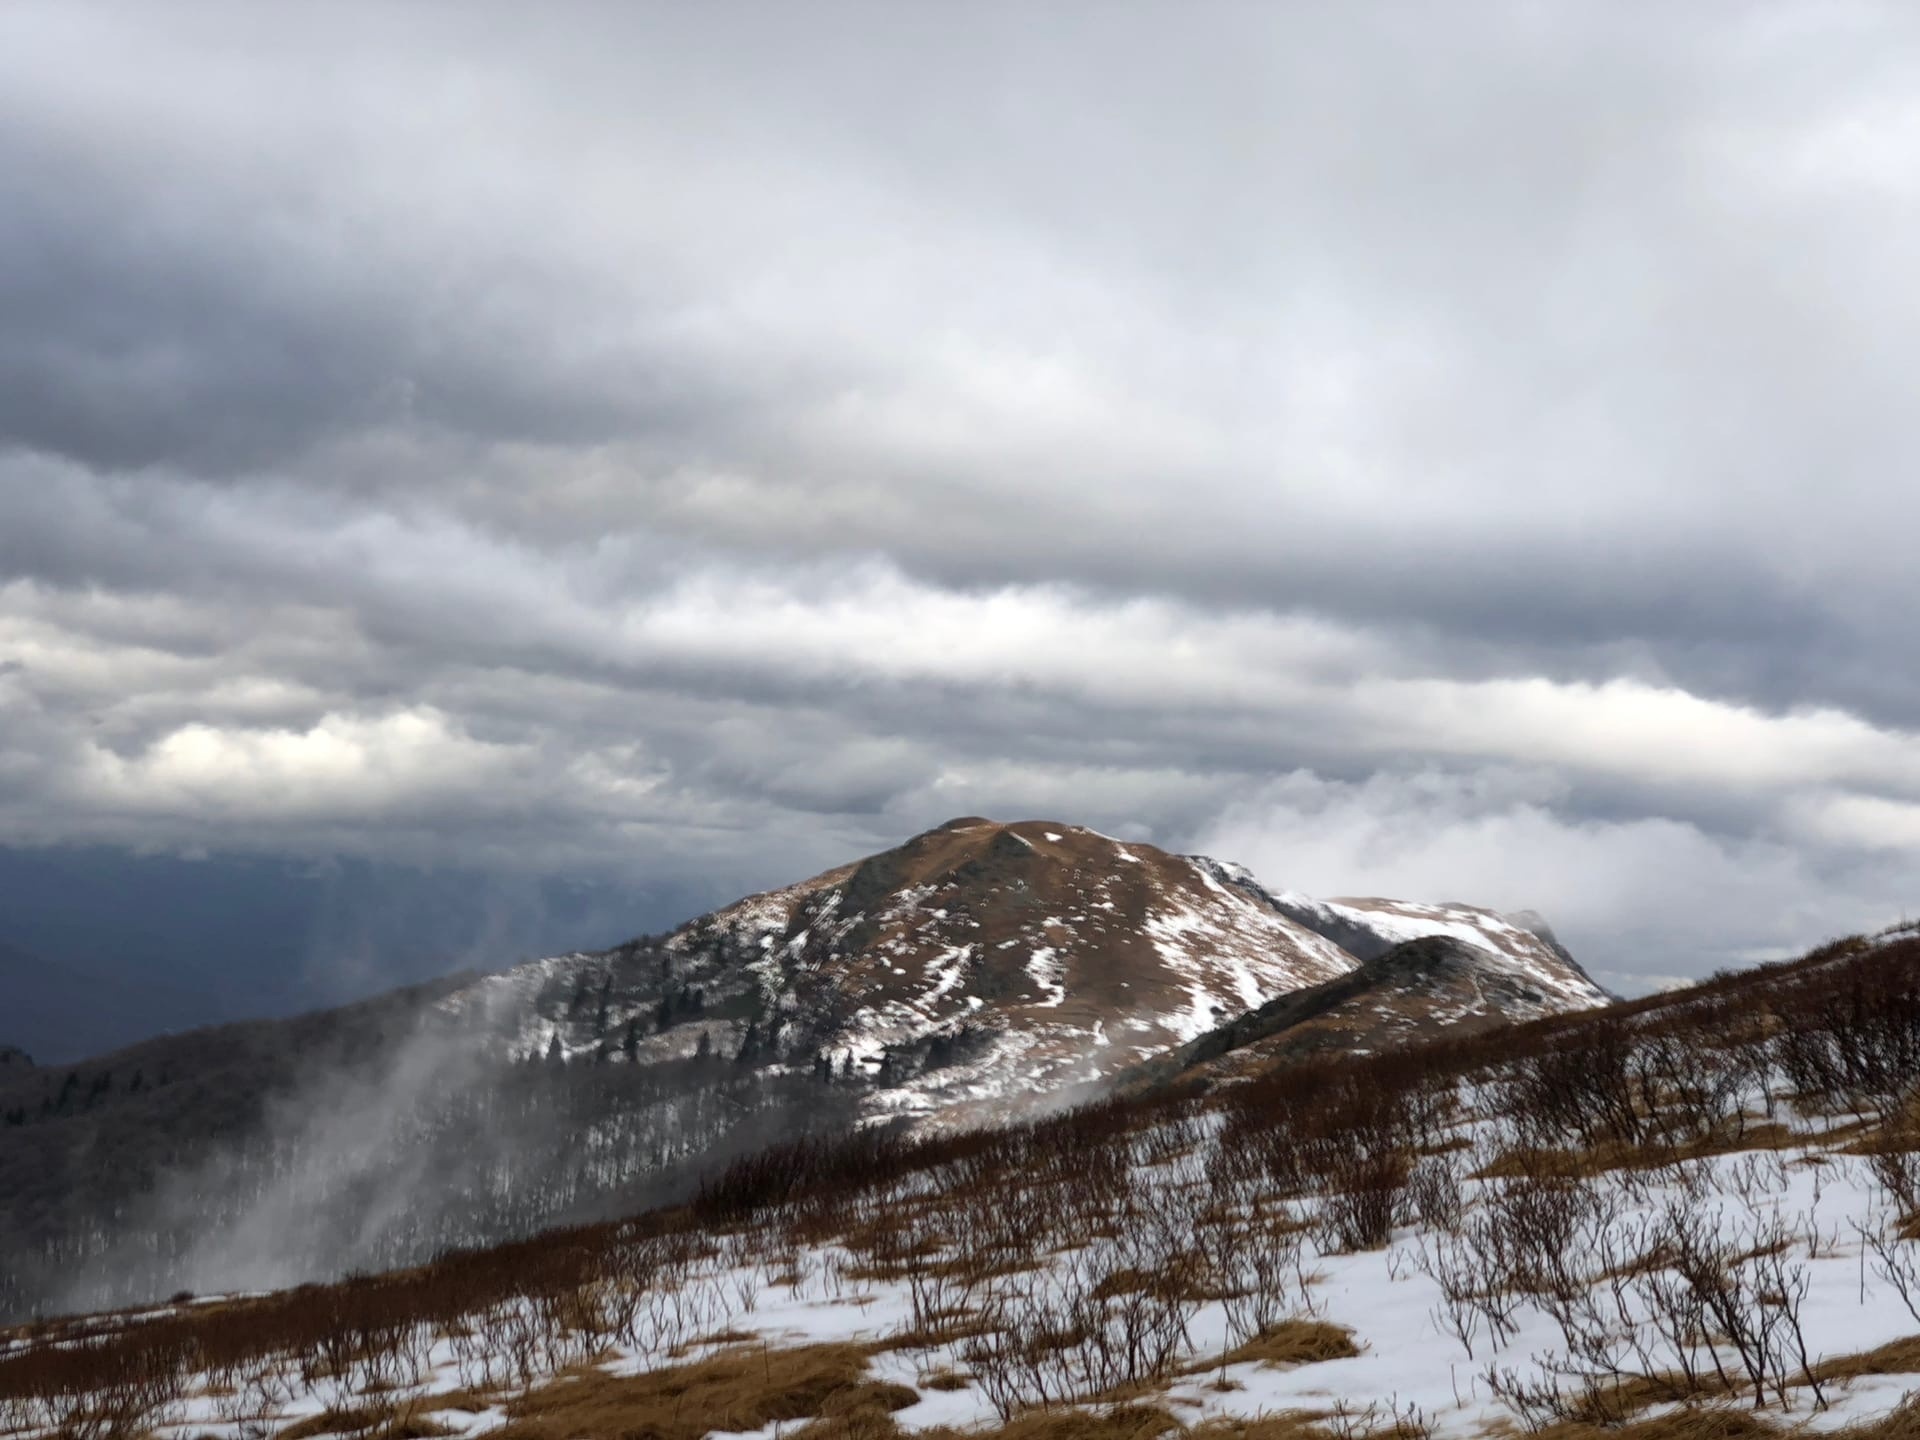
(964, 1271)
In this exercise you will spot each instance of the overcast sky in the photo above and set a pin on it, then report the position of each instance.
(1457, 451)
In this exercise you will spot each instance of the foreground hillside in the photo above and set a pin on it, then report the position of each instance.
(1687, 1216)
(977, 972)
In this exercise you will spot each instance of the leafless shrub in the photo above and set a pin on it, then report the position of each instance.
(1375, 1421)
(1894, 1162)
(1474, 1299)
(1700, 1304)
(1099, 1319)
(1256, 1271)
(1583, 1087)
(1537, 1399)
(96, 1395)
(1894, 1263)
(1850, 1037)
(1358, 1215)
(1691, 1093)
(1433, 1197)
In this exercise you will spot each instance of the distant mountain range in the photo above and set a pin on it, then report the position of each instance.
(978, 972)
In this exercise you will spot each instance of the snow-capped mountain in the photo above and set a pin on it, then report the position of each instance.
(1369, 926)
(981, 966)
(1446, 1241)
(974, 974)
(977, 965)
(1433, 985)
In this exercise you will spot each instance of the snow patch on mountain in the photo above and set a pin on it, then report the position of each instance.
(1045, 968)
(981, 964)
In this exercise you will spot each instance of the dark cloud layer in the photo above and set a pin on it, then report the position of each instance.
(1457, 452)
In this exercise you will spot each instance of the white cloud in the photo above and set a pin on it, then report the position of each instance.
(1640, 899)
(1867, 822)
(680, 438)
(360, 768)
(1655, 734)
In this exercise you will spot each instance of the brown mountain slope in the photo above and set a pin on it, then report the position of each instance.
(1369, 926)
(982, 962)
(981, 966)
(1423, 989)
(962, 978)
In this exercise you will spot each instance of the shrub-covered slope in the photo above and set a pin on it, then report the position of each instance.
(1689, 1215)
(975, 972)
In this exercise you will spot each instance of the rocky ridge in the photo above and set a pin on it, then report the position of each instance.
(981, 968)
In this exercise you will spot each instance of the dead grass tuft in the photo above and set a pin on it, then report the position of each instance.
(1696, 1422)
(1901, 1423)
(1607, 1155)
(1281, 1425)
(333, 1422)
(725, 1337)
(1125, 1282)
(467, 1402)
(1291, 1342)
(943, 1330)
(1901, 1357)
(738, 1389)
(377, 1422)
(863, 1422)
(1704, 1422)
(1119, 1422)
(413, 1426)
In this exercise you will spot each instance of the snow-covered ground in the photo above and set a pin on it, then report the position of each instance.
(1808, 1227)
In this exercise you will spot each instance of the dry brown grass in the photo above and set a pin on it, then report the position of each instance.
(409, 1421)
(943, 1328)
(1613, 1404)
(1291, 1342)
(1281, 1425)
(978, 1270)
(1901, 1357)
(332, 1422)
(1902, 1423)
(413, 1427)
(1699, 1422)
(738, 1389)
(1611, 1407)
(1119, 1422)
(467, 1402)
(725, 1337)
(863, 1422)
(1614, 1155)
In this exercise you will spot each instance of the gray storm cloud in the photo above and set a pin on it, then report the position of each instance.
(655, 440)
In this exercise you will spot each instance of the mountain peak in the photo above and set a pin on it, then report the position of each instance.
(983, 961)
(965, 977)
(1433, 984)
